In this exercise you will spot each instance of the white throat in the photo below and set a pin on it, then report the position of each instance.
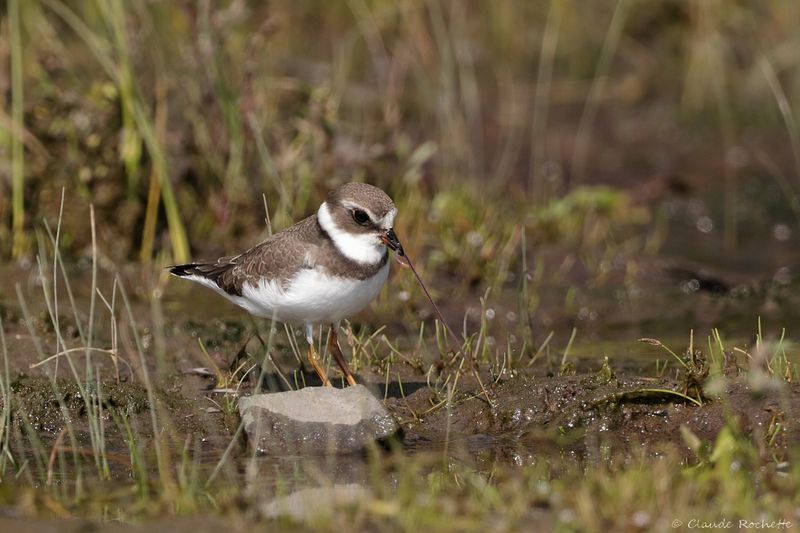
(364, 248)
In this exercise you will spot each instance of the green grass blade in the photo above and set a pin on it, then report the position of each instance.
(17, 152)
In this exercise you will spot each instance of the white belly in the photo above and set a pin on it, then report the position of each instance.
(311, 297)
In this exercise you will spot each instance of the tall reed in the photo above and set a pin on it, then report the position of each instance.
(113, 57)
(17, 152)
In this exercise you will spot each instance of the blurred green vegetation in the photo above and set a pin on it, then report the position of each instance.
(173, 118)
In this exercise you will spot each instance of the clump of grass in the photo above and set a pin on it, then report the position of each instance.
(5, 416)
(138, 125)
(17, 151)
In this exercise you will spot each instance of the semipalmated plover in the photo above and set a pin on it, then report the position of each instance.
(324, 268)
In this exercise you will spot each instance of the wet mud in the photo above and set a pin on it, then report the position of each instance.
(534, 416)
(524, 416)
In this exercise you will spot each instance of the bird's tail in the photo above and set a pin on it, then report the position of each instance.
(218, 275)
(189, 269)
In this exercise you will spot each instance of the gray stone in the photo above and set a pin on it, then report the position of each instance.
(315, 502)
(315, 420)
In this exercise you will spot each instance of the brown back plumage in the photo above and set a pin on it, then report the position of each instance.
(279, 257)
(276, 258)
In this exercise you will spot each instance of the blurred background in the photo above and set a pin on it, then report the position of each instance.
(588, 188)
(588, 153)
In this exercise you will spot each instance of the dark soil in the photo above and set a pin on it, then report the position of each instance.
(521, 416)
(534, 415)
(45, 406)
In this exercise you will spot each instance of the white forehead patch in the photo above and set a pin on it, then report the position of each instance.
(387, 222)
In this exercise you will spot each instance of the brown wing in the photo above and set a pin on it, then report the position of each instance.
(276, 258)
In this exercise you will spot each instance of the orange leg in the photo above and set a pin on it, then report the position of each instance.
(333, 347)
(314, 359)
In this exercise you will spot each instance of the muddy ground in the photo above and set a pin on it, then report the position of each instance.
(512, 419)
(528, 409)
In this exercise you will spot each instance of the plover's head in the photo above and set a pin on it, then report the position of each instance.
(359, 218)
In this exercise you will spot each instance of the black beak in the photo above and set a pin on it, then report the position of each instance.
(390, 239)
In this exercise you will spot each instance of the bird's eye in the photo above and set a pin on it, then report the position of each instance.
(361, 217)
